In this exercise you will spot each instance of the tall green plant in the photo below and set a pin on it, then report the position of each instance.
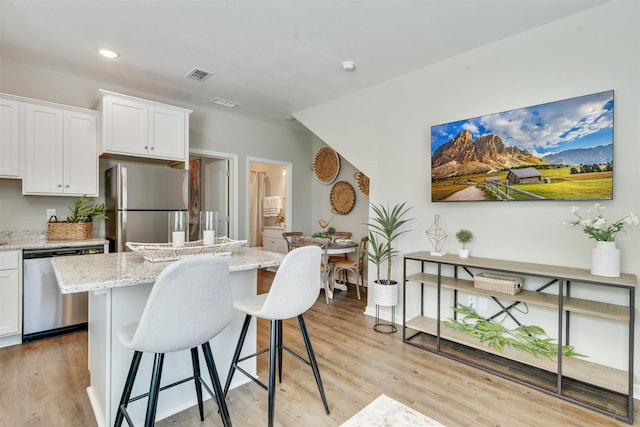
(384, 228)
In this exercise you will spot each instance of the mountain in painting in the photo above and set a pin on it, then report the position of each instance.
(463, 156)
(582, 156)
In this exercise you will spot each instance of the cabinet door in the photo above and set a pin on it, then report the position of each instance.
(43, 150)
(9, 138)
(167, 129)
(10, 297)
(125, 126)
(80, 166)
(9, 302)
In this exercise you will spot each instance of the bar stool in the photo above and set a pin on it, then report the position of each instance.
(294, 290)
(189, 304)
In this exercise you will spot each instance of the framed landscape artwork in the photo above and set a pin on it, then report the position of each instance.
(561, 150)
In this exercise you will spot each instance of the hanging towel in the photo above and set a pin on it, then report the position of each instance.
(271, 206)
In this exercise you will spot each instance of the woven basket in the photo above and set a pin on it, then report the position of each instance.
(510, 285)
(69, 230)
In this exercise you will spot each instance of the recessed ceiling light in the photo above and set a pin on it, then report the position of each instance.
(107, 53)
(348, 66)
(224, 102)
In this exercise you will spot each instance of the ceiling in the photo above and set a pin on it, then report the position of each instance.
(272, 57)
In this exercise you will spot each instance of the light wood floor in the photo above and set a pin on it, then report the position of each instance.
(43, 383)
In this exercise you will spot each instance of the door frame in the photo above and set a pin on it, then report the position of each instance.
(233, 184)
(288, 190)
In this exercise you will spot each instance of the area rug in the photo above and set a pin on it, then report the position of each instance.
(387, 412)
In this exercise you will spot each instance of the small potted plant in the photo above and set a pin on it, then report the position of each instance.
(464, 236)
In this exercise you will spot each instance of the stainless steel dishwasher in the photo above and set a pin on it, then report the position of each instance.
(46, 311)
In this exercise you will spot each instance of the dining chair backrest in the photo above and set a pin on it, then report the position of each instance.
(362, 250)
(296, 285)
(189, 304)
(290, 237)
(343, 234)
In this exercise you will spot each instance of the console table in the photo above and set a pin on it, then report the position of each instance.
(438, 283)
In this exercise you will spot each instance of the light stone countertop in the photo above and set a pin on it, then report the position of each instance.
(20, 244)
(104, 271)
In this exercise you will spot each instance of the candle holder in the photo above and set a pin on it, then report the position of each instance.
(208, 227)
(178, 227)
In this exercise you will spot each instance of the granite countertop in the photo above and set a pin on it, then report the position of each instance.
(20, 244)
(104, 271)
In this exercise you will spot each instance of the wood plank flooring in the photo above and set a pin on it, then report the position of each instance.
(43, 383)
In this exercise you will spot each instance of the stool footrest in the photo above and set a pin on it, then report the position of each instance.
(142, 396)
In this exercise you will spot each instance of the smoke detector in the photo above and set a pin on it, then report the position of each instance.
(348, 66)
(199, 74)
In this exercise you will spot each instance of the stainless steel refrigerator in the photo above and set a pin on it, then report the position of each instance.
(139, 198)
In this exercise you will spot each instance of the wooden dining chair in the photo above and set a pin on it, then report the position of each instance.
(326, 268)
(290, 237)
(340, 235)
(356, 266)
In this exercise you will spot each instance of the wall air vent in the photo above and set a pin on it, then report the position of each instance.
(199, 74)
(224, 102)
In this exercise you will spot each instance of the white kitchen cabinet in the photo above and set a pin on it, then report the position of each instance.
(10, 298)
(9, 137)
(61, 152)
(140, 128)
(273, 241)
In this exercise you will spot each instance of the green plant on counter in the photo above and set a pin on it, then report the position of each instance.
(83, 211)
(532, 339)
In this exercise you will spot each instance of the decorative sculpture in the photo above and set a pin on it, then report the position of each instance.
(436, 236)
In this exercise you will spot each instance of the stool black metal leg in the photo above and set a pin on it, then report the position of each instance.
(196, 379)
(279, 344)
(128, 386)
(272, 362)
(217, 387)
(312, 359)
(154, 390)
(236, 354)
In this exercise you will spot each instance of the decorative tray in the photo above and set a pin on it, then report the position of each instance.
(156, 252)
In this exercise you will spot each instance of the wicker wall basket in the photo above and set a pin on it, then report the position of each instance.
(69, 230)
(510, 285)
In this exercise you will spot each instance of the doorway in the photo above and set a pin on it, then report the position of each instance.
(214, 188)
(269, 198)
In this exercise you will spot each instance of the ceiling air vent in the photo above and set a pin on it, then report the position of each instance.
(199, 75)
(224, 102)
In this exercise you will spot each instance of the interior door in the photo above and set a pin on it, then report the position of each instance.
(216, 192)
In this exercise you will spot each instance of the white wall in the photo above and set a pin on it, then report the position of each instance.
(385, 132)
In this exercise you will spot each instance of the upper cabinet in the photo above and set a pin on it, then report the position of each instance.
(61, 150)
(9, 137)
(140, 128)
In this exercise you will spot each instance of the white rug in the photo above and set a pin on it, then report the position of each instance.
(386, 412)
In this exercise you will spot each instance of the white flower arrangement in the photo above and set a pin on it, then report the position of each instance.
(595, 225)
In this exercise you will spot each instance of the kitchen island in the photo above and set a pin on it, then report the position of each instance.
(119, 285)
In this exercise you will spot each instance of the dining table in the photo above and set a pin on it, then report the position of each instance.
(336, 247)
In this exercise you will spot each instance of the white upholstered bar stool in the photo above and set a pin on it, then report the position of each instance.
(189, 304)
(294, 290)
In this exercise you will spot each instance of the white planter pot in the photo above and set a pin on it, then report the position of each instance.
(464, 253)
(385, 295)
(605, 260)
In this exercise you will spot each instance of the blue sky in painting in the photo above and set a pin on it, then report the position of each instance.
(582, 122)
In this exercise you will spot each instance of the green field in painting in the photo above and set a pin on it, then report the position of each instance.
(563, 185)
